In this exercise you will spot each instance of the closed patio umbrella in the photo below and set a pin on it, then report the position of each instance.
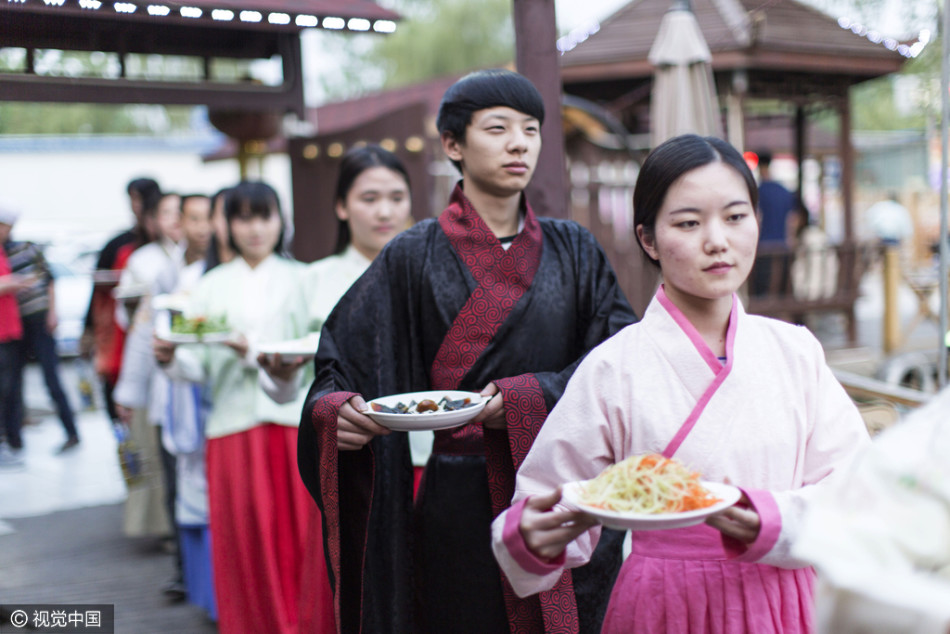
(684, 95)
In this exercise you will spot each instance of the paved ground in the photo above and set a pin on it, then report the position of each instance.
(81, 557)
(61, 539)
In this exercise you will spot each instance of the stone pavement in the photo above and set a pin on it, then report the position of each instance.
(80, 556)
(61, 537)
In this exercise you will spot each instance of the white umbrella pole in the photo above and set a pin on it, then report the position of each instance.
(944, 255)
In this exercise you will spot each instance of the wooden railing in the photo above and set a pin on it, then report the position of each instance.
(789, 283)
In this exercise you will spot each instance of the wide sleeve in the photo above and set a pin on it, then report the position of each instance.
(138, 363)
(577, 442)
(837, 435)
(366, 347)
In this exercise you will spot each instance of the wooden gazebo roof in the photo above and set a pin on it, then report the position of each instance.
(787, 49)
(207, 29)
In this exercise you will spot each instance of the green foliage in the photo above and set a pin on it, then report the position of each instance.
(874, 107)
(64, 119)
(446, 37)
(435, 38)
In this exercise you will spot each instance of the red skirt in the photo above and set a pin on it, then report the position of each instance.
(266, 538)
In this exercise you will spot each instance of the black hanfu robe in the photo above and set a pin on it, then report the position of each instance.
(444, 306)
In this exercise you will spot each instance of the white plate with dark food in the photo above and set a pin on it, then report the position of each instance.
(432, 410)
(573, 496)
(304, 347)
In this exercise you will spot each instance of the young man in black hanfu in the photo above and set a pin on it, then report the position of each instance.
(487, 297)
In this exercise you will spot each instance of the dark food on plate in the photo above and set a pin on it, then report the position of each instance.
(427, 405)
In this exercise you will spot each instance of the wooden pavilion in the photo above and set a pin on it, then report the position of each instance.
(204, 29)
(781, 58)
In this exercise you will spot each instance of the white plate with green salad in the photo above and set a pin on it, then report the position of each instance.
(193, 329)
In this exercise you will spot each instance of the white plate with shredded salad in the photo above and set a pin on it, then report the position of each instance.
(637, 493)
(625, 520)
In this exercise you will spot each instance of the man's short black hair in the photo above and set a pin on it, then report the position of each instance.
(486, 89)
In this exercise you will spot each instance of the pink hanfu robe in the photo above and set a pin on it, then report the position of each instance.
(771, 418)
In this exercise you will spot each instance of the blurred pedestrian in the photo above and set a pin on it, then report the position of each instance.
(776, 204)
(11, 331)
(102, 337)
(775, 213)
(880, 538)
(149, 503)
(219, 251)
(262, 547)
(37, 304)
(181, 415)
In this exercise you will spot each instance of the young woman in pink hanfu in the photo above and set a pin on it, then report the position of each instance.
(737, 397)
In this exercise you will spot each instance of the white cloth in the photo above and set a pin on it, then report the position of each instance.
(880, 538)
(327, 280)
(140, 384)
(779, 422)
(266, 305)
(142, 270)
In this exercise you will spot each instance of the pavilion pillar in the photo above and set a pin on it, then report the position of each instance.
(735, 109)
(536, 57)
(800, 150)
(846, 152)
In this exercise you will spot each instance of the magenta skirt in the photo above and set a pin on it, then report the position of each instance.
(680, 581)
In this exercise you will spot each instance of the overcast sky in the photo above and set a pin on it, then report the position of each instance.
(574, 13)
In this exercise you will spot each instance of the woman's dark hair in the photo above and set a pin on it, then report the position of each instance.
(213, 257)
(670, 160)
(144, 187)
(253, 198)
(486, 89)
(356, 161)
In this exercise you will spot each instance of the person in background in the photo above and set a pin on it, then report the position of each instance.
(102, 336)
(11, 331)
(149, 260)
(776, 212)
(175, 258)
(473, 300)
(138, 406)
(266, 556)
(37, 304)
(733, 396)
(372, 205)
(219, 251)
(182, 421)
(776, 204)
